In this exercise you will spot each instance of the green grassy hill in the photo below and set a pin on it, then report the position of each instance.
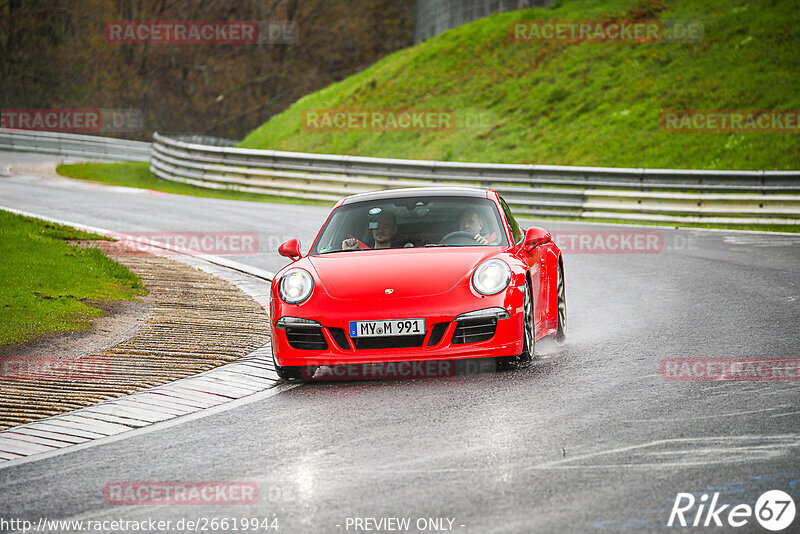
(576, 103)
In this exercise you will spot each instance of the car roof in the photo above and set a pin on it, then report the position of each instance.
(435, 191)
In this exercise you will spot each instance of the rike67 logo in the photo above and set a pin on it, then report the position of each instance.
(774, 510)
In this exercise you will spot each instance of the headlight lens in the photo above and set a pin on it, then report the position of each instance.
(491, 277)
(296, 286)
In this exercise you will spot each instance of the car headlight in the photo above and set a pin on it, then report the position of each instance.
(296, 286)
(491, 277)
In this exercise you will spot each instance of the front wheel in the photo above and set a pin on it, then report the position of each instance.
(561, 332)
(528, 336)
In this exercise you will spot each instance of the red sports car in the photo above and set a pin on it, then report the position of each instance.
(417, 275)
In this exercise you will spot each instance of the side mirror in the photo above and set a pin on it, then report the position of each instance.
(291, 249)
(534, 237)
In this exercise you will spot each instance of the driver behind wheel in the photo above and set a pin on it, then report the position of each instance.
(470, 220)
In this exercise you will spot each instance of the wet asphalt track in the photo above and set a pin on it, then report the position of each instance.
(589, 438)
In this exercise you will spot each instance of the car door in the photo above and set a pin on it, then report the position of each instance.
(536, 266)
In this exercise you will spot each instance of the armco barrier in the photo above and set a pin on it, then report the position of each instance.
(660, 195)
(83, 146)
(657, 195)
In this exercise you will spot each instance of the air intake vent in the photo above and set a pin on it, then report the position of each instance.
(437, 333)
(340, 338)
(306, 337)
(474, 330)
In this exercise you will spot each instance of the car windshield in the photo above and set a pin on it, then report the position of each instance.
(412, 222)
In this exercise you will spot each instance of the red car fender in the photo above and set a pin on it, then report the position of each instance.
(543, 271)
(549, 258)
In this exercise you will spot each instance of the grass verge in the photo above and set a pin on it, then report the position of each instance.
(51, 286)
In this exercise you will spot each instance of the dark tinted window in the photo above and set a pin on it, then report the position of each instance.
(512, 222)
(412, 222)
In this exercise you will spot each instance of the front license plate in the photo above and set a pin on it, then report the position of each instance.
(392, 327)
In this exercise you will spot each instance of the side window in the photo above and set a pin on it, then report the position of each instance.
(516, 233)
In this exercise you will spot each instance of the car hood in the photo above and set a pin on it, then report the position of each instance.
(408, 273)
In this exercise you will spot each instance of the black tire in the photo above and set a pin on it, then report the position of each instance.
(286, 372)
(561, 332)
(529, 336)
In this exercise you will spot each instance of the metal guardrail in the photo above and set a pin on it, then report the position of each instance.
(84, 146)
(659, 195)
(205, 140)
(436, 16)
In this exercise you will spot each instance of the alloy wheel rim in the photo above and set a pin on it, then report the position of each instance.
(528, 320)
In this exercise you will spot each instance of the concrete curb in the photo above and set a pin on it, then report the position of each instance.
(251, 375)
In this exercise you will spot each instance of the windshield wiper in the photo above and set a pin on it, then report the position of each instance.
(342, 250)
